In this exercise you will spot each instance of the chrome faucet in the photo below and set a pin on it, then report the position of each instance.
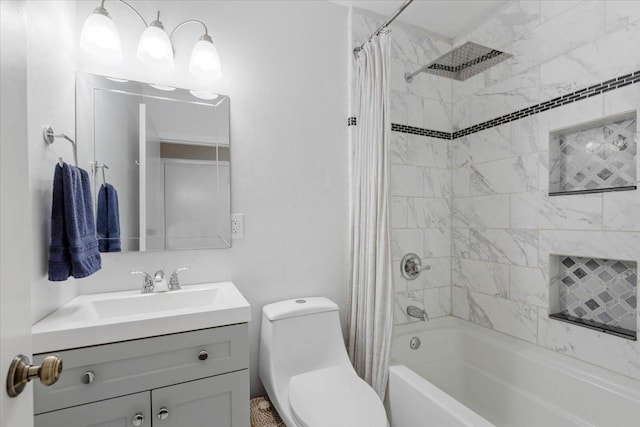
(174, 283)
(417, 312)
(147, 286)
(160, 280)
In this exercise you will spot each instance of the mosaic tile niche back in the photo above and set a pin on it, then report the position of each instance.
(596, 293)
(594, 157)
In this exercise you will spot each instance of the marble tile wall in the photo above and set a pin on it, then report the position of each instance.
(504, 224)
(420, 166)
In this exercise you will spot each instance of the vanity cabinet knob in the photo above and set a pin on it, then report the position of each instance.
(163, 414)
(88, 377)
(138, 420)
(203, 355)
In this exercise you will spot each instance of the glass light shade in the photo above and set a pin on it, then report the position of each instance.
(162, 87)
(154, 47)
(205, 61)
(100, 36)
(203, 94)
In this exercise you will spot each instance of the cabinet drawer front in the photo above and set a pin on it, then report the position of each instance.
(132, 366)
(221, 401)
(118, 412)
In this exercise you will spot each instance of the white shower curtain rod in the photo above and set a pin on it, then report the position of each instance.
(385, 25)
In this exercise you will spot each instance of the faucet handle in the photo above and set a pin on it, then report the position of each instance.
(147, 287)
(159, 275)
(174, 282)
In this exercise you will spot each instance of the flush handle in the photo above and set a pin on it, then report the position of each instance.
(163, 414)
(138, 420)
(22, 371)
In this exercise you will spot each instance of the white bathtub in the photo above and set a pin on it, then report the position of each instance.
(465, 375)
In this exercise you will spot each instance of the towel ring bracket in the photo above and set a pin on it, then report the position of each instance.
(50, 136)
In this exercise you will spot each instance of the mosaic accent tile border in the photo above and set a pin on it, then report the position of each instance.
(420, 131)
(352, 121)
(597, 293)
(595, 157)
(569, 98)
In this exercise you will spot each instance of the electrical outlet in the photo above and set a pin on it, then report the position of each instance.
(237, 226)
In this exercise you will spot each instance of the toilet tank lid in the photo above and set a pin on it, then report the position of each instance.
(298, 307)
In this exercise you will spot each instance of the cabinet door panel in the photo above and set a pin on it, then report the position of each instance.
(220, 401)
(118, 412)
(135, 366)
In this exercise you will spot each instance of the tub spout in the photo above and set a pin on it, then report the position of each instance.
(417, 313)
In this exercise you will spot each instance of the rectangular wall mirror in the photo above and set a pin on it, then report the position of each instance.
(165, 151)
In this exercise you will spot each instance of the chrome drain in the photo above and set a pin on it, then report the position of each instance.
(414, 343)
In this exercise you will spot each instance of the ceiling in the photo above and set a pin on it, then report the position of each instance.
(449, 18)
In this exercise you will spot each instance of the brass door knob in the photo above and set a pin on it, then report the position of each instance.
(21, 372)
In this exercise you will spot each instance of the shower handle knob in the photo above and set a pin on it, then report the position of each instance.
(411, 266)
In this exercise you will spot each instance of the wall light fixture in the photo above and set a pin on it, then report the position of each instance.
(100, 37)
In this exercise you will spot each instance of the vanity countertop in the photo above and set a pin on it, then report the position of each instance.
(119, 316)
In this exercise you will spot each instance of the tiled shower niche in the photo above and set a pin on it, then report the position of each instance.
(594, 157)
(596, 293)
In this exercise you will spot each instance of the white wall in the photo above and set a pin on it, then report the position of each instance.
(51, 101)
(285, 70)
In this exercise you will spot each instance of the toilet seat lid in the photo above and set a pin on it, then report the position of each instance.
(335, 397)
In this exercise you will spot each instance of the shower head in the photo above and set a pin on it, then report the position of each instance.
(462, 62)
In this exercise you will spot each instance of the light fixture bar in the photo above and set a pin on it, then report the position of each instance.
(130, 7)
(189, 21)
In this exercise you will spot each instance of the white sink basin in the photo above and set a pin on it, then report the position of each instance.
(118, 316)
(184, 299)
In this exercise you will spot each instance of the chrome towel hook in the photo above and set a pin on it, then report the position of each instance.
(95, 166)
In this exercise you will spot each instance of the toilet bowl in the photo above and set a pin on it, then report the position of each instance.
(304, 367)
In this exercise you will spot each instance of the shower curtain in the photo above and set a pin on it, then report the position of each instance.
(370, 314)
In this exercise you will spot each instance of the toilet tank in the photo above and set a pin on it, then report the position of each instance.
(299, 336)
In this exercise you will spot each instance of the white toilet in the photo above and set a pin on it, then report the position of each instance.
(306, 371)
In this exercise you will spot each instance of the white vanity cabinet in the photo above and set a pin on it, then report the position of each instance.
(126, 411)
(216, 401)
(196, 379)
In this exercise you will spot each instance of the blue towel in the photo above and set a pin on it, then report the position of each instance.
(108, 222)
(74, 246)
